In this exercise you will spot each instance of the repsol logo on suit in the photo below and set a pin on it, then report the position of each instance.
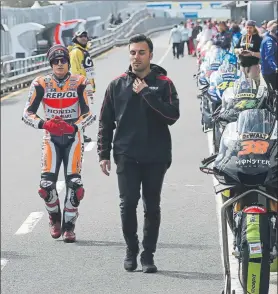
(68, 94)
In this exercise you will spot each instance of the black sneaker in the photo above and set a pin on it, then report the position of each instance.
(130, 262)
(147, 262)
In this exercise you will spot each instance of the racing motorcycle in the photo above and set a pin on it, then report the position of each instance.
(202, 50)
(241, 95)
(221, 75)
(247, 165)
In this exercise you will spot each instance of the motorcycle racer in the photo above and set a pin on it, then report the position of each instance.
(67, 114)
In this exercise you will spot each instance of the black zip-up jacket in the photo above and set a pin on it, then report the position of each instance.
(223, 40)
(141, 120)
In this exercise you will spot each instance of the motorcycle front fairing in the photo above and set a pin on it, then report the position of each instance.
(235, 102)
(214, 80)
(248, 150)
(219, 82)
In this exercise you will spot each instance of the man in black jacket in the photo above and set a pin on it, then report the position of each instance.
(224, 38)
(140, 105)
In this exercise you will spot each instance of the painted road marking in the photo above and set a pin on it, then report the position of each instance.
(164, 56)
(90, 146)
(3, 263)
(30, 223)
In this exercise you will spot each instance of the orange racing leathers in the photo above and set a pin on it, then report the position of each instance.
(67, 99)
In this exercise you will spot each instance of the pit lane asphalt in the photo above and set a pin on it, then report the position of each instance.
(188, 255)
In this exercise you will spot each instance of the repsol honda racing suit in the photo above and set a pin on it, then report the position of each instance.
(67, 99)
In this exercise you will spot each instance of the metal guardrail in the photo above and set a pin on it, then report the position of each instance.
(20, 73)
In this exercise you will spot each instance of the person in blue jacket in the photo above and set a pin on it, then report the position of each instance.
(236, 34)
(269, 57)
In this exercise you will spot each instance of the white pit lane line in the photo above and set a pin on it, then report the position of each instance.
(3, 263)
(30, 223)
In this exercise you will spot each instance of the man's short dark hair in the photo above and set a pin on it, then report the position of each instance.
(141, 38)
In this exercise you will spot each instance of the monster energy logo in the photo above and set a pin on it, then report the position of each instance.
(253, 289)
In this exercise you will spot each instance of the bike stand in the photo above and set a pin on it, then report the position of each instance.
(227, 289)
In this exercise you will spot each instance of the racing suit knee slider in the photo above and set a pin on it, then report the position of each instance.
(76, 191)
(48, 193)
(80, 192)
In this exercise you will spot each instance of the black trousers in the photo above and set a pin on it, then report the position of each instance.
(131, 175)
(182, 48)
(188, 47)
(176, 49)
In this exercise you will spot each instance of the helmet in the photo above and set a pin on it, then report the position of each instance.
(57, 51)
(79, 34)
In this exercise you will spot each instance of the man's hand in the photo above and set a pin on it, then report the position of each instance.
(105, 166)
(246, 53)
(53, 126)
(66, 128)
(139, 85)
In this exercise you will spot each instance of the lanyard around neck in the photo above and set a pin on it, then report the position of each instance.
(248, 41)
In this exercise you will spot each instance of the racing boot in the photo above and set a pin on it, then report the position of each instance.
(147, 262)
(87, 139)
(130, 261)
(55, 225)
(68, 233)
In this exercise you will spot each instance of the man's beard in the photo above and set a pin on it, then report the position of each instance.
(138, 69)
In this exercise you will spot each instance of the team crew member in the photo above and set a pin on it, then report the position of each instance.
(269, 58)
(67, 113)
(224, 38)
(82, 63)
(248, 48)
(140, 105)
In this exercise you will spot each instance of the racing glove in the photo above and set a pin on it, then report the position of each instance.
(68, 128)
(53, 127)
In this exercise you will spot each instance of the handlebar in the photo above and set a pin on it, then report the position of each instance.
(207, 161)
(196, 75)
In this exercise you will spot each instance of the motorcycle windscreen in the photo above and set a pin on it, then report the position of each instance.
(225, 81)
(246, 148)
(244, 98)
